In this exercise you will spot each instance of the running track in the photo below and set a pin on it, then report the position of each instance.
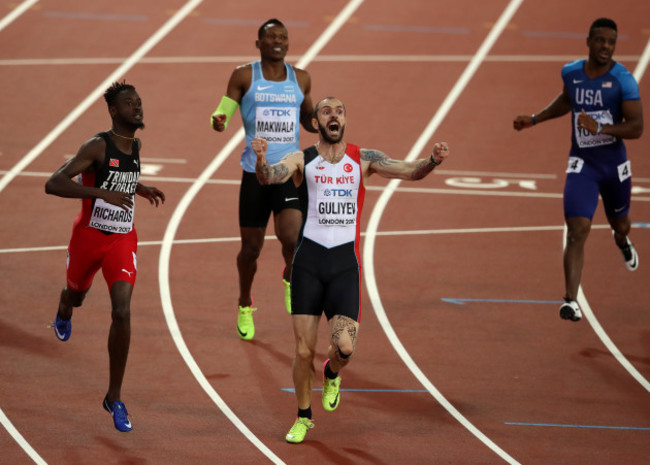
(462, 358)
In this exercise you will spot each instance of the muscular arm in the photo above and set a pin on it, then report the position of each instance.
(307, 106)
(560, 106)
(239, 82)
(290, 165)
(89, 157)
(380, 163)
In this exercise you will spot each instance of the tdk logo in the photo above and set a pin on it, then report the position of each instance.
(277, 112)
(338, 193)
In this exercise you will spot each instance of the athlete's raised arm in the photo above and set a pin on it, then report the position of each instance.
(380, 163)
(290, 165)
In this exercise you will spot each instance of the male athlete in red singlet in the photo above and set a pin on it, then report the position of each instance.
(103, 235)
(326, 274)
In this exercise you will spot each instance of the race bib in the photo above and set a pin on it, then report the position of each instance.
(276, 125)
(110, 218)
(587, 139)
(575, 165)
(624, 171)
(336, 206)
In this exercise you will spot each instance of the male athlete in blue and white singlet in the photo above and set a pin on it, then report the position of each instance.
(274, 100)
(326, 275)
(605, 106)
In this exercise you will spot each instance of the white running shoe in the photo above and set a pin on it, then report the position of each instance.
(570, 310)
(630, 256)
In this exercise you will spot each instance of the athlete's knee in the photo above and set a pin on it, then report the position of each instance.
(577, 231)
(121, 313)
(304, 351)
(621, 226)
(250, 251)
(344, 352)
(305, 354)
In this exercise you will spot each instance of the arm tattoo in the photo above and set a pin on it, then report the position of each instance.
(373, 155)
(271, 174)
(422, 168)
(377, 156)
(278, 173)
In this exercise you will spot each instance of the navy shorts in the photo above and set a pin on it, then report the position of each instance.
(256, 202)
(326, 281)
(587, 180)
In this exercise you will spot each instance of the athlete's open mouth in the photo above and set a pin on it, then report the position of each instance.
(333, 126)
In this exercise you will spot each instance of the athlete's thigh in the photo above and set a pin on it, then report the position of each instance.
(580, 195)
(343, 295)
(85, 253)
(307, 292)
(287, 226)
(616, 192)
(285, 196)
(254, 202)
(120, 263)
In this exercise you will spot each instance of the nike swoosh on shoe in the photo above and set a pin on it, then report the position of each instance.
(336, 401)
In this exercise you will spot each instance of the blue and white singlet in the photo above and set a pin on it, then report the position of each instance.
(271, 110)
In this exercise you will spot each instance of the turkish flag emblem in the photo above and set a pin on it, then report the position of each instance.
(114, 162)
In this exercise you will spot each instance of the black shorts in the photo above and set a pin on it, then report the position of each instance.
(256, 201)
(326, 280)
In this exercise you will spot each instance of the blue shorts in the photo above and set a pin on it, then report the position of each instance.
(586, 180)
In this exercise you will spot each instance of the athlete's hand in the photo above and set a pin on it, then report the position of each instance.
(117, 198)
(259, 146)
(440, 152)
(587, 122)
(522, 122)
(219, 122)
(152, 194)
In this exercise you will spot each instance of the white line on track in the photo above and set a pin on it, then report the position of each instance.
(368, 250)
(174, 222)
(62, 126)
(98, 92)
(212, 240)
(582, 299)
(16, 12)
(177, 60)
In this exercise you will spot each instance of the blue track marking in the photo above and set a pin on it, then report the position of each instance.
(557, 425)
(502, 301)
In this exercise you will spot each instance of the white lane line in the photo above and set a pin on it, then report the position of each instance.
(582, 299)
(63, 125)
(321, 58)
(99, 91)
(14, 433)
(172, 227)
(419, 232)
(368, 250)
(16, 12)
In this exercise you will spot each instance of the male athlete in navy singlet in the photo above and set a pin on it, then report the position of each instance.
(605, 106)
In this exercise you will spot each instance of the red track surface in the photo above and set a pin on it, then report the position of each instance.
(496, 362)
